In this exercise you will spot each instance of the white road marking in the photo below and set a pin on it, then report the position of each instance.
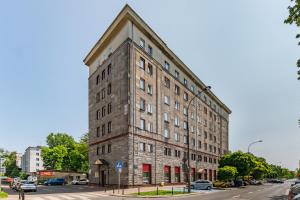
(51, 197)
(237, 196)
(37, 198)
(250, 192)
(79, 196)
(65, 196)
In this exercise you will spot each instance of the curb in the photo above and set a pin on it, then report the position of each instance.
(156, 196)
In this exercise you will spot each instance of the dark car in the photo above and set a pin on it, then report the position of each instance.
(55, 181)
(275, 181)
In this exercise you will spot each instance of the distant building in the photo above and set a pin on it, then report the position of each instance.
(2, 168)
(19, 160)
(139, 94)
(31, 161)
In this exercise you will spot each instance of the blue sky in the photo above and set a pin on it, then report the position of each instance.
(241, 48)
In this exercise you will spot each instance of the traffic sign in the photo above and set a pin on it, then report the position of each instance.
(119, 164)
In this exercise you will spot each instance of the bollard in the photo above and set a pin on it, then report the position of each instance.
(183, 190)
(156, 190)
(113, 190)
(172, 190)
(138, 190)
(123, 191)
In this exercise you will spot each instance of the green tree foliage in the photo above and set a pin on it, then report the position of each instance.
(294, 18)
(10, 163)
(64, 153)
(227, 173)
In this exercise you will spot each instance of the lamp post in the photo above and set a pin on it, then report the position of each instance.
(252, 144)
(188, 136)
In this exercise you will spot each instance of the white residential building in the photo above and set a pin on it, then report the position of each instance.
(32, 160)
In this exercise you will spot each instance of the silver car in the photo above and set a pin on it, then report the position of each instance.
(201, 185)
(29, 186)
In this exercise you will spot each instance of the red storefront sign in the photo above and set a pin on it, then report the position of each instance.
(167, 169)
(45, 173)
(177, 170)
(146, 168)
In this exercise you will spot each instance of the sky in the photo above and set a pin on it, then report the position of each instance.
(240, 48)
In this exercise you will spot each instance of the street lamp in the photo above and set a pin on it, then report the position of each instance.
(252, 144)
(188, 136)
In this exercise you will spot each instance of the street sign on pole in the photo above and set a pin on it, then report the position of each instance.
(119, 166)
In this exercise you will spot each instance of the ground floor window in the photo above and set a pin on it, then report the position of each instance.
(146, 173)
(210, 175)
(167, 174)
(177, 174)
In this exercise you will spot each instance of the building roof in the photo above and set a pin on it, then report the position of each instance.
(127, 13)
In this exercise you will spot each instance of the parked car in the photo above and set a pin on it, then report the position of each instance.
(19, 184)
(28, 186)
(238, 183)
(294, 191)
(55, 181)
(275, 181)
(296, 182)
(80, 182)
(297, 197)
(201, 185)
(255, 182)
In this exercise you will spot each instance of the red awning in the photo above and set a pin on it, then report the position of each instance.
(167, 169)
(177, 169)
(146, 168)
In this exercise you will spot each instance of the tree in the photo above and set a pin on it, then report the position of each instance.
(60, 139)
(294, 18)
(243, 162)
(227, 173)
(12, 169)
(53, 158)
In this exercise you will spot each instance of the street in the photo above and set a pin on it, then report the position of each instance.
(264, 192)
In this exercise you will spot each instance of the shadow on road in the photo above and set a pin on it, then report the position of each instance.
(281, 197)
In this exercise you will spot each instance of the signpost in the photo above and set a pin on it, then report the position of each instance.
(119, 166)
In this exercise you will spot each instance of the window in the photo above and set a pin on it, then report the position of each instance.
(150, 127)
(185, 96)
(205, 134)
(167, 100)
(103, 129)
(142, 104)
(177, 121)
(177, 137)
(185, 82)
(192, 88)
(166, 117)
(98, 114)
(109, 89)
(166, 133)
(185, 112)
(149, 89)
(109, 127)
(37, 159)
(185, 140)
(103, 150)
(150, 148)
(103, 75)
(192, 129)
(142, 42)
(210, 136)
(142, 84)
(167, 82)
(97, 79)
(150, 50)
(142, 147)
(177, 105)
(103, 93)
(109, 108)
(142, 63)
(199, 158)
(185, 125)
(177, 90)
(193, 142)
(167, 151)
(109, 69)
(205, 146)
(149, 109)
(215, 150)
(103, 111)
(108, 148)
(176, 74)
(150, 69)
(98, 150)
(37, 154)
(98, 131)
(199, 144)
(215, 139)
(142, 124)
(193, 156)
(97, 97)
(177, 153)
(167, 66)
(205, 159)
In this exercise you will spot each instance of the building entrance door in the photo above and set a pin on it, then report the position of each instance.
(103, 178)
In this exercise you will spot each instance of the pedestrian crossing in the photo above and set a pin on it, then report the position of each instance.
(67, 196)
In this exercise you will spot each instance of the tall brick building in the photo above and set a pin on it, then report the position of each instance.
(139, 91)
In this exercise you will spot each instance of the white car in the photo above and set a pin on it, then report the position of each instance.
(201, 185)
(28, 186)
(80, 182)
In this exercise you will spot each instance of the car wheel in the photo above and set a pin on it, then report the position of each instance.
(208, 187)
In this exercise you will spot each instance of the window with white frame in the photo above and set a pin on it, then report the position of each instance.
(142, 147)
(177, 137)
(150, 50)
(177, 105)
(193, 142)
(192, 88)
(142, 124)
(150, 148)
(185, 125)
(142, 63)
(149, 108)
(150, 127)
(142, 104)
(185, 82)
(166, 133)
(149, 89)
(167, 100)
(176, 74)
(192, 129)
(185, 111)
(167, 66)
(150, 69)
(142, 42)
(166, 117)
(142, 84)
(177, 121)
(177, 90)
(185, 139)
(185, 96)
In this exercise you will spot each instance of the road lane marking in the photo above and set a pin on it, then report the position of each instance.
(79, 196)
(66, 197)
(51, 198)
(250, 192)
(237, 196)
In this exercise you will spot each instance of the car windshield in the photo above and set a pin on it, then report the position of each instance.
(29, 182)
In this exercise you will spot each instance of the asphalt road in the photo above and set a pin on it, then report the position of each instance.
(264, 192)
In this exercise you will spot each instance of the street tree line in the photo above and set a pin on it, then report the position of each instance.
(240, 165)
